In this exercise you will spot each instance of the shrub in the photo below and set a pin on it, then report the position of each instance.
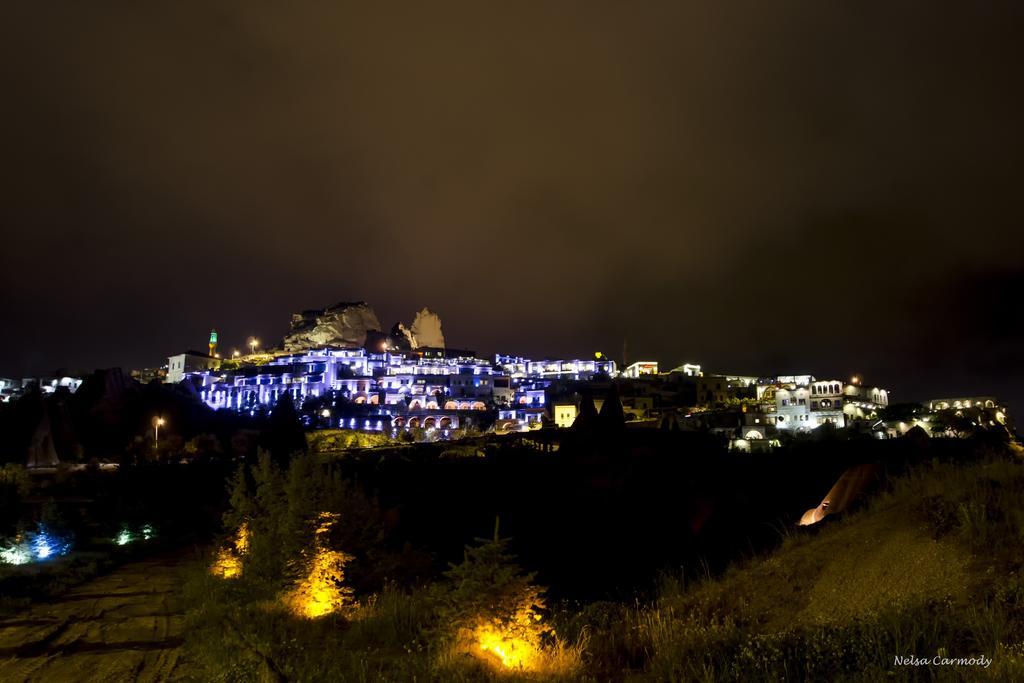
(494, 612)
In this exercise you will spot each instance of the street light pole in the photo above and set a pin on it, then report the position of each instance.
(158, 422)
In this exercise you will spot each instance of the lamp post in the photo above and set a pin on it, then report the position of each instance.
(158, 422)
(253, 343)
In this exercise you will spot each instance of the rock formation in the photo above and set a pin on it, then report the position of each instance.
(426, 330)
(401, 338)
(343, 324)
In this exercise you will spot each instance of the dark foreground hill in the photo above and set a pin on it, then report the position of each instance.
(924, 582)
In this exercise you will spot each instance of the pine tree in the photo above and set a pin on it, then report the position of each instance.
(284, 435)
(612, 417)
(495, 608)
(240, 501)
(587, 420)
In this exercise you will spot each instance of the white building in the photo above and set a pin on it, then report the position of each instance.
(641, 368)
(8, 389)
(862, 403)
(805, 407)
(518, 367)
(182, 364)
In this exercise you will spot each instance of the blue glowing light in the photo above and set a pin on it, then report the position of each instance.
(44, 545)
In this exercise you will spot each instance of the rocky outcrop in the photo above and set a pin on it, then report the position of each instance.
(426, 330)
(343, 324)
(401, 338)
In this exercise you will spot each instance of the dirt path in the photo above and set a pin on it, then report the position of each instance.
(125, 626)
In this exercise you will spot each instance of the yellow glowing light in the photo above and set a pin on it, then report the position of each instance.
(510, 651)
(228, 564)
(242, 539)
(321, 591)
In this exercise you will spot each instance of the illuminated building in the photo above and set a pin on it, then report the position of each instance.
(984, 412)
(959, 403)
(802, 407)
(183, 364)
(640, 369)
(519, 367)
(714, 390)
(564, 413)
(688, 369)
(9, 388)
(406, 389)
(862, 402)
(793, 408)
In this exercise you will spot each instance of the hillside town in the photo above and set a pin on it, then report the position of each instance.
(340, 371)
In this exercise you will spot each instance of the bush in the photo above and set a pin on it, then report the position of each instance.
(494, 612)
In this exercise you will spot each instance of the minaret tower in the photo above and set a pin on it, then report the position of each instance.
(213, 342)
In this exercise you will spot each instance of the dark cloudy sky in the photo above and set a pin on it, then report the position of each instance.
(785, 186)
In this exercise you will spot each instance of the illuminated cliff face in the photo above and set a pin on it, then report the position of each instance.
(321, 592)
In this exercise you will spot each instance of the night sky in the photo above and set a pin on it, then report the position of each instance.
(776, 187)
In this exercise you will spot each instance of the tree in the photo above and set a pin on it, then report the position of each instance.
(284, 435)
(612, 417)
(494, 607)
(587, 418)
(901, 412)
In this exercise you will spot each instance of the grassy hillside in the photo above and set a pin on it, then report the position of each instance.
(929, 567)
(932, 567)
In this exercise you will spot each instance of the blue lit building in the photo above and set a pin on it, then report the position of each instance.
(396, 389)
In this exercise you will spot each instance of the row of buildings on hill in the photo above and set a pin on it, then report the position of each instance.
(439, 388)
